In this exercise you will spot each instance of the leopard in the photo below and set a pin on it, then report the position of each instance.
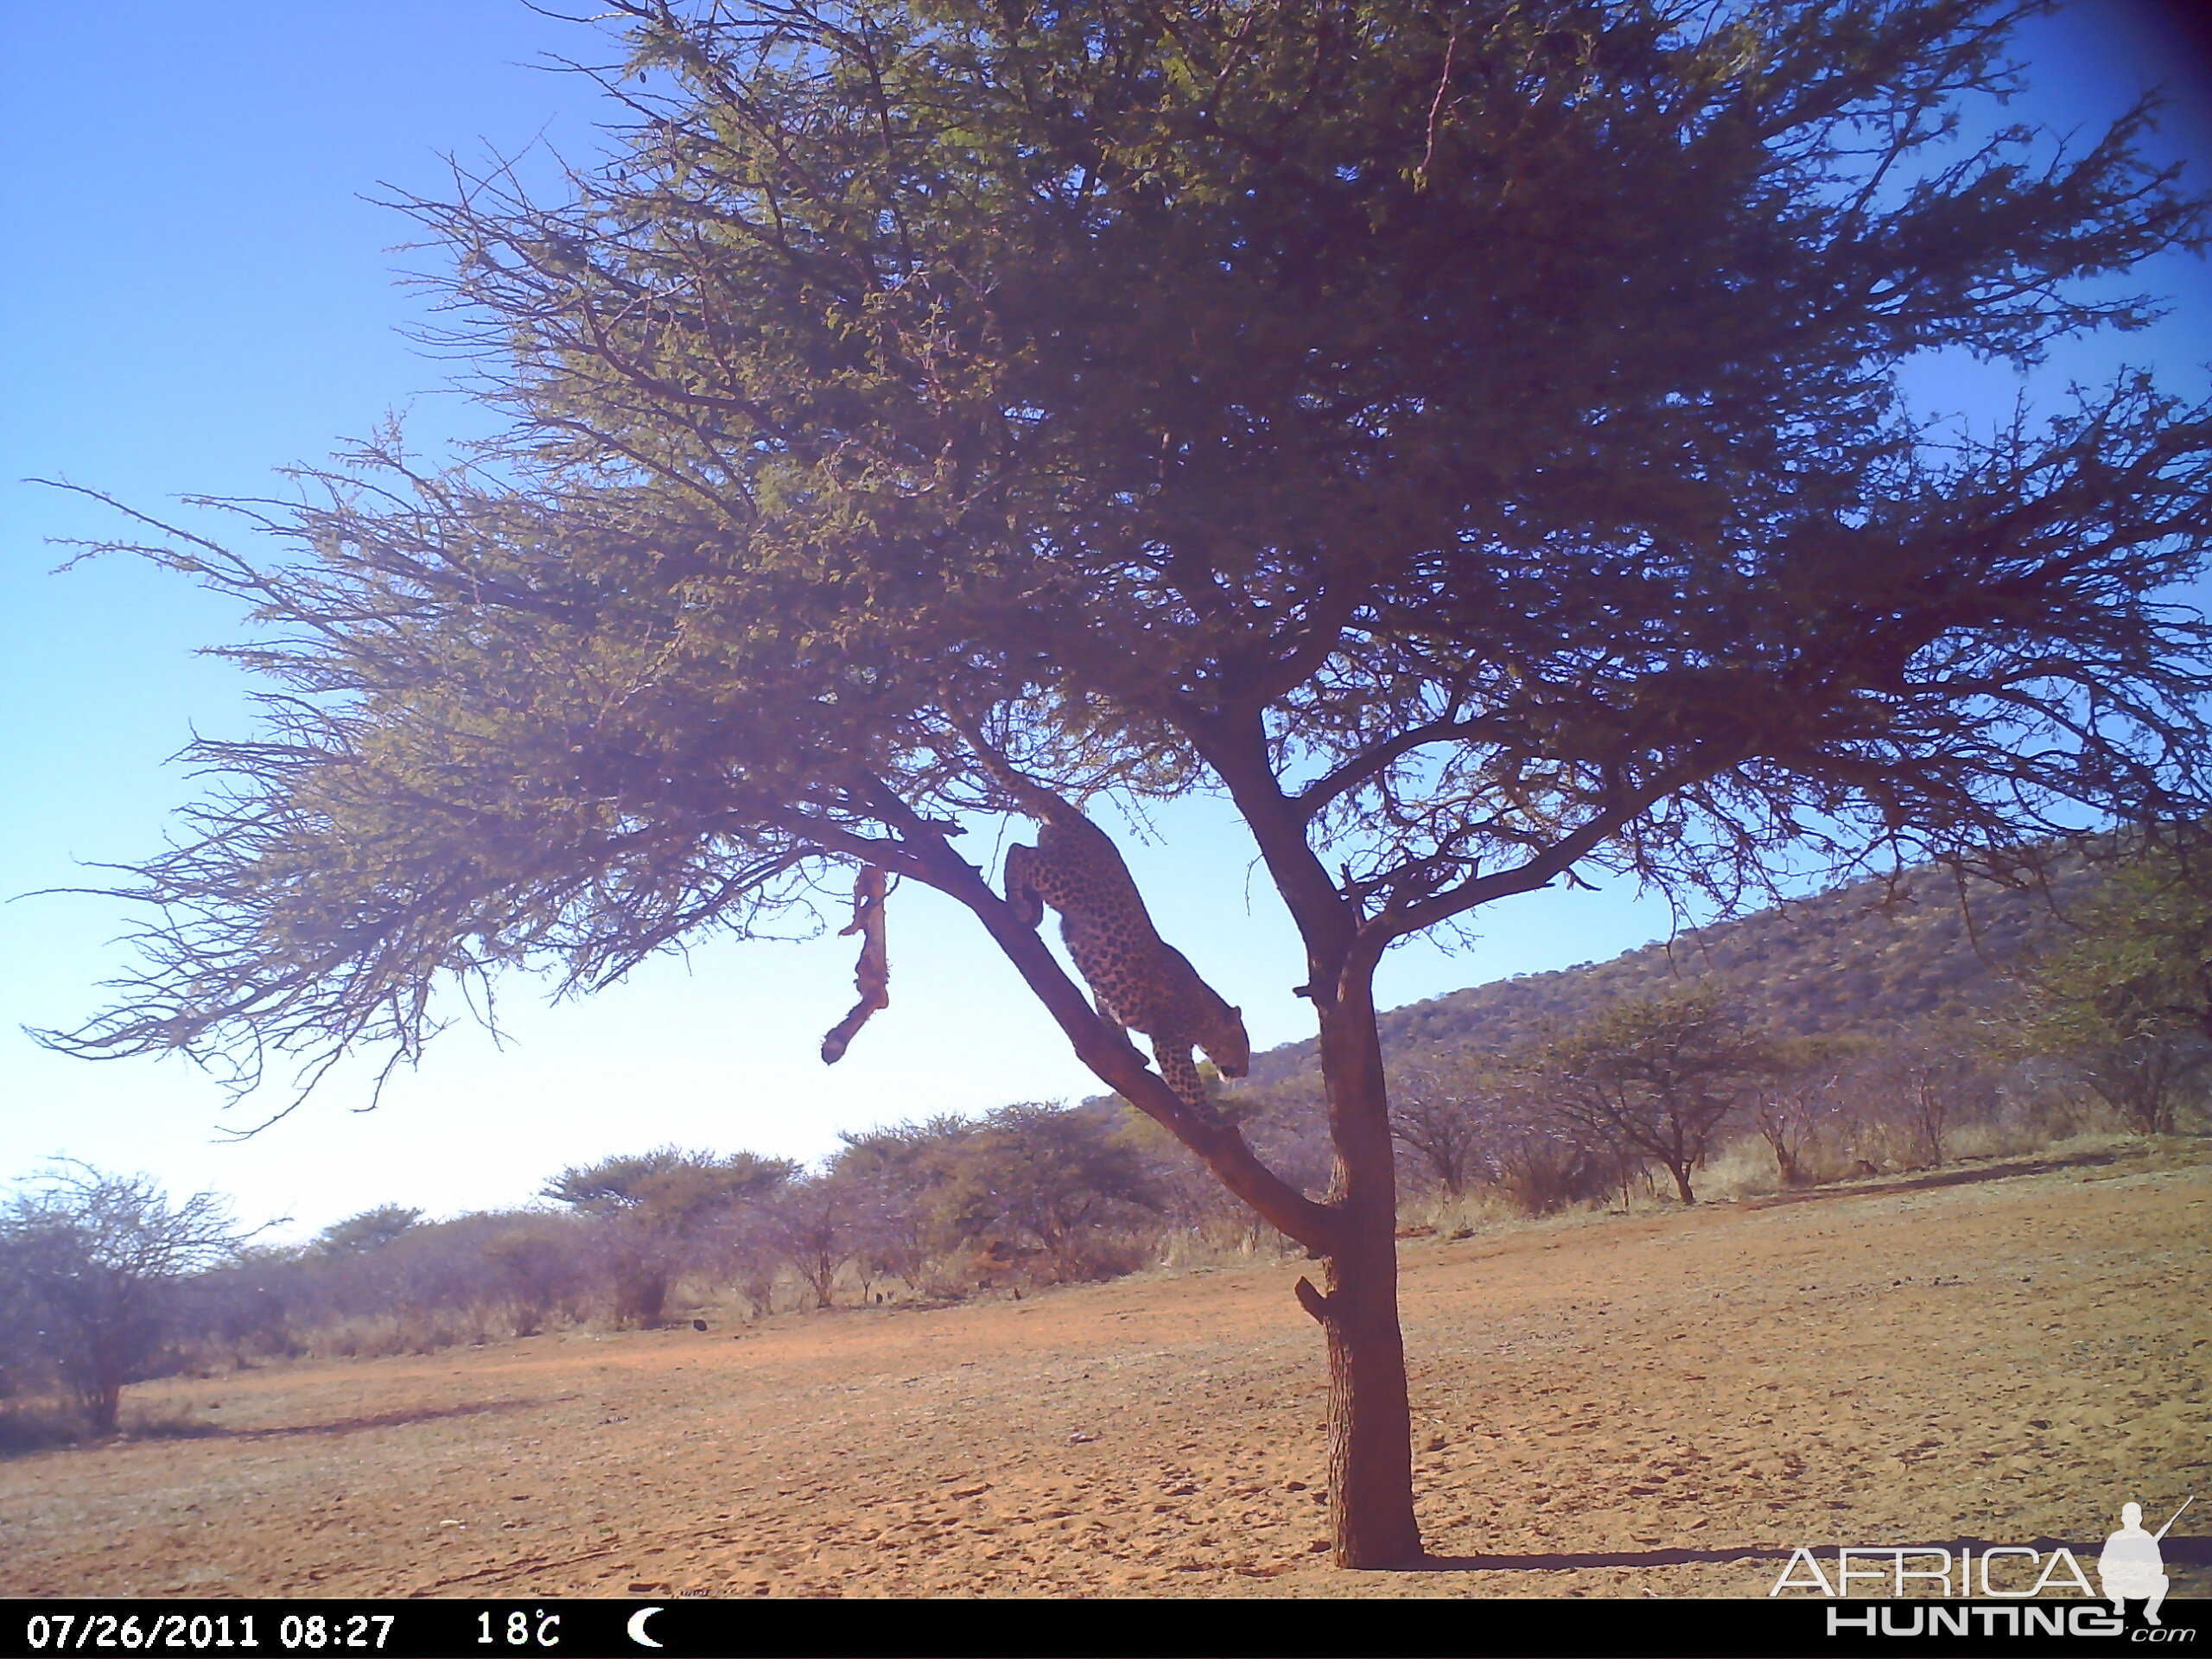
(1138, 981)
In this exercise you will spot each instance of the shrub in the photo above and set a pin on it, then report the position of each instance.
(98, 1260)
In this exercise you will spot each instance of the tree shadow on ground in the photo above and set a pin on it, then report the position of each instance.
(1946, 1178)
(381, 1420)
(22, 1432)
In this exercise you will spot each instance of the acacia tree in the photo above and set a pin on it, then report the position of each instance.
(1658, 1075)
(654, 1207)
(816, 1228)
(97, 1261)
(1791, 1099)
(368, 1231)
(1047, 1173)
(1932, 1078)
(1442, 1112)
(2127, 1001)
(1464, 434)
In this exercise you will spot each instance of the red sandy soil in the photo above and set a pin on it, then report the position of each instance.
(1605, 1406)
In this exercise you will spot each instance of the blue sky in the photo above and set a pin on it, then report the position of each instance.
(193, 292)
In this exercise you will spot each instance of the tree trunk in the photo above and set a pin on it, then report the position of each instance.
(1680, 1172)
(99, 1392)
(1785, 1156)
(1370, 1423)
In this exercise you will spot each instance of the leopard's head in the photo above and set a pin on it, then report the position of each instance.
(1225, 1042)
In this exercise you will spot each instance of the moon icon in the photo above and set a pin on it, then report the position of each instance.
(637, 1627)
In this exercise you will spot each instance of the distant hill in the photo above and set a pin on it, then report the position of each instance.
(1873, 954)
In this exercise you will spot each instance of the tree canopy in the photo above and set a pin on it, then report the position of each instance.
(94, 1262)
(372, 1230)
(2127, 997)
(669, 1185)
(1468, 435)
(2140, 964)
(1659, 1076)
(1471, 483)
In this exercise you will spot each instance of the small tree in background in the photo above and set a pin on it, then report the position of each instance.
(541, 1269)
(669, 1184)
(257, 1305)
(654, 1208)
(817, 1228)
(1935, 1077)
(369, 1231)
(903, 1172)
(1437, 1112)
(2127, 1002)
(1540, 1158)
(1469, 436)
(1658, 1077)
(1056, 1175)
(1800, 1093)
(97, 1261)
(23, 1359)
(2145, 1080)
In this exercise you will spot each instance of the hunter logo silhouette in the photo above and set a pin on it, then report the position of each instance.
(2132, 1566)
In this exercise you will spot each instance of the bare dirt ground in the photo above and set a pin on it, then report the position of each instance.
(1609, 1407)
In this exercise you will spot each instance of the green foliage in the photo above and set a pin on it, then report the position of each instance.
(1031, 1175)
(372, 1230)
(2140, 964)
(1468, 435)
(817, 1227)
(654, 1209)
(1045, 1173)
(2127, 999)
(669, 1186)
(917, 1156)
(1659, 1076)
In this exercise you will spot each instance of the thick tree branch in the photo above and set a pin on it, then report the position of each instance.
(1350, 774)
(1235, 746)
(923, 853)
(1538, 871)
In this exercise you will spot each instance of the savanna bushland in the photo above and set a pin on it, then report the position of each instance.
(1939, 1052)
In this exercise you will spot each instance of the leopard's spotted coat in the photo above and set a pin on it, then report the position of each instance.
(1138, 979)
